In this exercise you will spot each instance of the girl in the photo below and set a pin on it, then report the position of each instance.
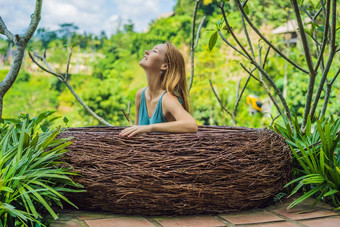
(163, 105)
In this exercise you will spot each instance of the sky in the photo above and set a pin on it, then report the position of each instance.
(90, 16)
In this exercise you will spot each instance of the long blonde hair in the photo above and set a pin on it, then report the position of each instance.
(174, 80)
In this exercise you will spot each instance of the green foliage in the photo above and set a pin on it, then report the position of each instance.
(32, 178)
(42, 123)
(3, 46)
(212, 41)
(32, 93)
(113, 76)
(316, 159)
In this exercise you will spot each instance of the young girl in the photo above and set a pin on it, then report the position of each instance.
(163, 105)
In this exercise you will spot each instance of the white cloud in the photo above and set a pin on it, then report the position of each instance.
(57, 12)
(111, 25)
(141, 12)
(90, 16)
(16, 18)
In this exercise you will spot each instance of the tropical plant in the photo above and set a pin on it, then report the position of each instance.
(41, 123)
(316, 159)
(316, 36)
(32, 178)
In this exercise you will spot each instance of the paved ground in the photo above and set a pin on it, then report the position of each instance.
(274, 216)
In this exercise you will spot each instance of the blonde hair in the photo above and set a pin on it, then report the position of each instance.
(174, 80)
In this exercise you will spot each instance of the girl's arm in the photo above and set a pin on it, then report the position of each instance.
(184, 122)
(137, 104)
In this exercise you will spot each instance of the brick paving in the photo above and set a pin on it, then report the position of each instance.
(274, 216)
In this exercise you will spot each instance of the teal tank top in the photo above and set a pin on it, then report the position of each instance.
(157, 116)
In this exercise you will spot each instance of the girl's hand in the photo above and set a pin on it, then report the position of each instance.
(133, 130)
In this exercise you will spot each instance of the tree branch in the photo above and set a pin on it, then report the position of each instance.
(4, 31)
(251, 73)
(68, 63)
(304, 9)
(264, 83)
(243, 89)
(303, 38)
(193, 43)
(263, 65)
(42, 67)
(329, 61)
(264, 38)
(334, 78)
(308, 57)
(20, 43)
(273, 119)
(318, 13)
(35, 18)
(327, 93)
(325, 36)
(231, 45)
(313, 18)
(326, 100)
(231, 30)
(198, 31)
(88, 109)
(64, 79)
(192, 53)
(237, 91)
(127, 115)
(50, 69)
(247, 36)
(219, 100)
(253, 61)
(265, 57)
(266, 88)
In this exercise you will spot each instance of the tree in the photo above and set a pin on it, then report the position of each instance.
(64, 78)
(129, 26)
(46, 36)
(321, 35)
(66, 31)
(20, 42)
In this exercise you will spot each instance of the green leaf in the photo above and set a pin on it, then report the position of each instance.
(65, 120)
(300, 2)
(43, 128)
(305, 196)
(332, 192)
(313, 180)
(21, 140)
(297, 179)
(322, 161)
(55, 192)
(43, 202)
(212, 41)
(246, 9)
(28, 201)
(312, 3)
(308, 32)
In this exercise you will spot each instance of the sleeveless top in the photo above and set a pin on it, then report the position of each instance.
(157, 116)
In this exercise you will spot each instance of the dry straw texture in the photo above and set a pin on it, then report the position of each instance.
(218, 169)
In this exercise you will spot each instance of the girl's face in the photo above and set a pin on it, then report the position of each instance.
(154, 59)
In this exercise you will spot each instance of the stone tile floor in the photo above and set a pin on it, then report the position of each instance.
(274, 216)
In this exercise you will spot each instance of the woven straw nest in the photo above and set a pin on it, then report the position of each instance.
(217, 169)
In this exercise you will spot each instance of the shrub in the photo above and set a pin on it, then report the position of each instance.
(316, 160)
(31, 177)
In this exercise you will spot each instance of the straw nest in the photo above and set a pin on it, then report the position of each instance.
(217, 169)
